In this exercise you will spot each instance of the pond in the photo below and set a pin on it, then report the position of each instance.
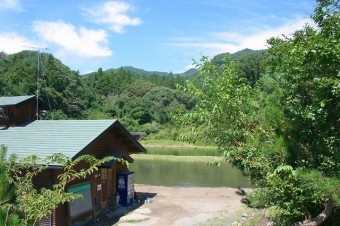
(186, 174)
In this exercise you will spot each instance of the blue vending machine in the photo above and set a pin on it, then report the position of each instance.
(125, 187)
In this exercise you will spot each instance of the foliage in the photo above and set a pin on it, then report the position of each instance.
(136, 97)
(31, 204)
(60, 89)
(248, 63)
(138, 88)
(137, 100)
(228, 93)
(284, 132)
(309, 63)
(7, 194)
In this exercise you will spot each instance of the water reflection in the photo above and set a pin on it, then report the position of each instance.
(187, 174)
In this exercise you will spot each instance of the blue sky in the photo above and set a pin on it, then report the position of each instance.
(156, 35)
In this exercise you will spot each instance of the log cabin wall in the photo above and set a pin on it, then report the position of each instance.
(61, 214)
(25, 112)
(19, 113)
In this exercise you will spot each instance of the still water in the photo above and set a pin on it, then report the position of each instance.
(186, 174)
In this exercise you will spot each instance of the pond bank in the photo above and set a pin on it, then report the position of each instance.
(204, 159)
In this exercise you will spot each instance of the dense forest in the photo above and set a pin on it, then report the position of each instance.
(140, 99)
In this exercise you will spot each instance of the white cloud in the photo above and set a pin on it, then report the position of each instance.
(113, 14)
(82, 41)
(13, 43)
(232, 41)
(259, 40)
(10, 5)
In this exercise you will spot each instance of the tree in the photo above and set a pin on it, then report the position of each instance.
(21, 203)
(138, 88)
(251, 66)
(309, 63)
(7, 194)
(283, 133)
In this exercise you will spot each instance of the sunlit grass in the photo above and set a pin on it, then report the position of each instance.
(182, 151)
(177, 148)
(204, 159)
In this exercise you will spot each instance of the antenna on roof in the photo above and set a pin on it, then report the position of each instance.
(38, 49)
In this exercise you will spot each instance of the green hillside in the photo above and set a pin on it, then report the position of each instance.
(142, 100)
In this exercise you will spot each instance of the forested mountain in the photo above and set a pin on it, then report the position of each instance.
(142, 100)
(137, 71)
(248, 63)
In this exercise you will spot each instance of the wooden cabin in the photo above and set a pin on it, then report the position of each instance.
(18, 109)
(72, 138)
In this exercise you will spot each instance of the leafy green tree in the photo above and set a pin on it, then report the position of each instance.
(309, 65)
(31, 204)
(7, 194)
(284, 133)
(158, 100)
(221, 109)
(251, 67)
(249, 64)
(138, 88)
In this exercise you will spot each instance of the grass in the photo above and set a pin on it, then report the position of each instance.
(177, 148)
(182, 151)
(177, 158)
(251, 217)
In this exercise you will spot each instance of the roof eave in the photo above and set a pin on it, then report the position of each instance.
(117, 124)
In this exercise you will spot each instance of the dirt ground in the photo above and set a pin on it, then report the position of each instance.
(179, 206)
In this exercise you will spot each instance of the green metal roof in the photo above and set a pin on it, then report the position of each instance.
(14, 100)
(46, 137)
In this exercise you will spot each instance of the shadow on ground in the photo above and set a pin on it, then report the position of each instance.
(112, 215)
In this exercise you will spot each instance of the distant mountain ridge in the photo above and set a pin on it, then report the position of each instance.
(139, 71)
(217, 59)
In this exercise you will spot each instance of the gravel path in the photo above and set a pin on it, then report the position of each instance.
(184, 206)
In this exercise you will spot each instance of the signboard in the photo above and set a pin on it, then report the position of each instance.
(81, 205)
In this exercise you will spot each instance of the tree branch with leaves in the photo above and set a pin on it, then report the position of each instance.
(27, 205)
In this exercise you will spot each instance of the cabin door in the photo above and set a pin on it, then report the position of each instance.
(108, 186)
(104, 184)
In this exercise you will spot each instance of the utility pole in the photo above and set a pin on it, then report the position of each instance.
(38, 49)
